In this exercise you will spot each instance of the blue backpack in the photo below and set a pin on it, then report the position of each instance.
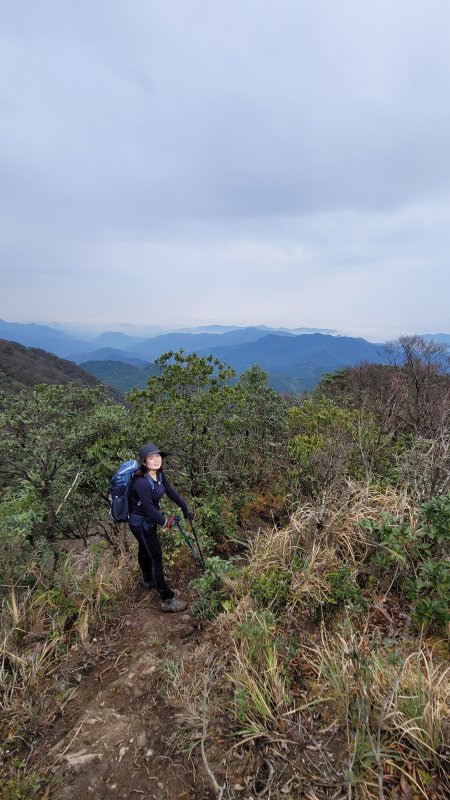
(120, 490)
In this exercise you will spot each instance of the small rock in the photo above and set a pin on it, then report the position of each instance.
(160, 785)
(238, 788)
(141, 740)
(78, 760)
(186, 618)
(78, 676)
(149, 753)
(122, 752)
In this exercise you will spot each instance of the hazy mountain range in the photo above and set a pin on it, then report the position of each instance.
(295, 359)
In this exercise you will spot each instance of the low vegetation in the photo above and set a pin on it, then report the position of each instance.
(325, 521)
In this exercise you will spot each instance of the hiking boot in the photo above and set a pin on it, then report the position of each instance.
(174, 604)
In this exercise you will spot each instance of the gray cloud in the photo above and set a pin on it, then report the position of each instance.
(243, 161)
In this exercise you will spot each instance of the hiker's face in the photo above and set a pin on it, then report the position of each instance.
(153, 461)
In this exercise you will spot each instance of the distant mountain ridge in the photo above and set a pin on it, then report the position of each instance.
(294, 361)
(147, 348)
(274, 352)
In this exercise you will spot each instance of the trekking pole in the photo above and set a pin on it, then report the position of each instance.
(198, 557)
(198, 545)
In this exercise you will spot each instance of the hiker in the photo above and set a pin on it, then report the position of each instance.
(149, 485)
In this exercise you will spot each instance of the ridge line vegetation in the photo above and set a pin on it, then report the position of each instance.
(325, 605)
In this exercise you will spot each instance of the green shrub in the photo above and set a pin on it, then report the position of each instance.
(422, 552)
(21, 784)
(270, 588)
(434, 534)
(394, 538)
(343, 591)
(212, 593)
(430, 592)
(217, 519)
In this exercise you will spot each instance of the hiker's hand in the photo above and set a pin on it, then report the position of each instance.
(188, 515)
(171, 521)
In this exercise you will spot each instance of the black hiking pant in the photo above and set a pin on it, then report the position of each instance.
(150, 554)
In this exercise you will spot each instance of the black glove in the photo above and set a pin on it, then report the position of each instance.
(188, 515)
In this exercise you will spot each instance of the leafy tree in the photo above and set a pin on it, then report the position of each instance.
(321, 444)
(259, 429)
(184, 409)
(51, 437)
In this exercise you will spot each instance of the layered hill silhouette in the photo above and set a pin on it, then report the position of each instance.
(22, 367)
(149, 349)
(299, 362)
(132, 349)
(295, 359)
(293, 363)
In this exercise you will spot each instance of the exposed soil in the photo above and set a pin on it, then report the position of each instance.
(112, 739)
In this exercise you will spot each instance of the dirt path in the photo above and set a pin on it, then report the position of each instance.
(112, 737)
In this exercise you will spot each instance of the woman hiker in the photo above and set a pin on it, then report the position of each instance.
(149, 485)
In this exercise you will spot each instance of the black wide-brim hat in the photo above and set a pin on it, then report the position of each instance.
(150, 450)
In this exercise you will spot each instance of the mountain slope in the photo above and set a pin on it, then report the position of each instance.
(119, 375)
(22, 367)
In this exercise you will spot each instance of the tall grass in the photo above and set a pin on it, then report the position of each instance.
(393, 707)
(385, 691)
(40, 619)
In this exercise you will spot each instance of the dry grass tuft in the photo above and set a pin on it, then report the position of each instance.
(38, 625)
(395, 711)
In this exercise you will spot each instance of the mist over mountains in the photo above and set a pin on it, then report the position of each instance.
(295, 359)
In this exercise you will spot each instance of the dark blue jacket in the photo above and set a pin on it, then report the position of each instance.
(145, 498)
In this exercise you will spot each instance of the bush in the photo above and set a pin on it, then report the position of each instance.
(212, 592)
(422, 550)
(270, 588)
(343, 591)
(430, 592)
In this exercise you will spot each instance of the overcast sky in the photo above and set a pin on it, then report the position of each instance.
(187, 162)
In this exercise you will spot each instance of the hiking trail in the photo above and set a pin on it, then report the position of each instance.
(113, 737)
